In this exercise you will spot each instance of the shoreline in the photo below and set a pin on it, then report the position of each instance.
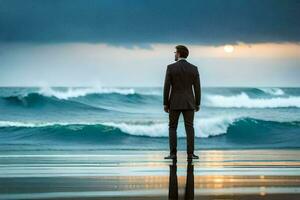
(265, 174)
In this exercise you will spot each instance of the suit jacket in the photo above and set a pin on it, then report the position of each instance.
(180, 80)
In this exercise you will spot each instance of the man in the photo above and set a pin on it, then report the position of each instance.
(180, 80)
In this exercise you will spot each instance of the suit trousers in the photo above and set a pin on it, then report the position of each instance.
(188, 116)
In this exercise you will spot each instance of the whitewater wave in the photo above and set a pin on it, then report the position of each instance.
(78, 92)
(273, 91)
(203, 127)
(151, 130)
(39, 124)
(247, 128)
(37, 102)
(244, 101)
(241, 133)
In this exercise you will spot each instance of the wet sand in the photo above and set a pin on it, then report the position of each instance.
(228, 174)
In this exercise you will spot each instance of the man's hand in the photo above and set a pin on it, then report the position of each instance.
(166, 108)
(197, 108)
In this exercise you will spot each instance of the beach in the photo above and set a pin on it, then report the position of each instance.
(127, 174)
(110, 143)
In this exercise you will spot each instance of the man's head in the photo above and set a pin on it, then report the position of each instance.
(181, 51)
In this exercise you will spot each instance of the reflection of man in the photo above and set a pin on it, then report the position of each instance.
(189, 187)
(173, 182)
(178, 97)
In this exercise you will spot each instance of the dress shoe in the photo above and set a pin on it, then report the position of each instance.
(192, 156)
(171, 156)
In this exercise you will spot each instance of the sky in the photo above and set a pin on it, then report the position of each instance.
(120, 43)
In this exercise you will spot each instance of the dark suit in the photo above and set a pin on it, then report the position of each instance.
(181, 78)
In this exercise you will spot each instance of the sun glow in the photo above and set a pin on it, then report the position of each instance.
(228, 48)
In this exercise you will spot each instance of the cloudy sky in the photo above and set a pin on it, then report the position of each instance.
(130, 42)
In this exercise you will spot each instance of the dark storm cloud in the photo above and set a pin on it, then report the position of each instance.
(126, 22)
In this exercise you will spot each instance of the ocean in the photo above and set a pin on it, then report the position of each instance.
(82, 118)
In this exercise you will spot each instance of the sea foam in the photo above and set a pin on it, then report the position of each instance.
(273, 91)
(203, 127)
(244, 101)
(78, 92)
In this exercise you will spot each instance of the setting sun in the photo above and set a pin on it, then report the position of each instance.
(228, 48)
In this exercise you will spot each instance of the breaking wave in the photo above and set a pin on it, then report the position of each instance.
(244, 101)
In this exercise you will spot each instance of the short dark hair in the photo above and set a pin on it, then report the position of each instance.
(182, 50)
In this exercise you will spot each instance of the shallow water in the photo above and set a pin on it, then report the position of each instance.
(125, 174)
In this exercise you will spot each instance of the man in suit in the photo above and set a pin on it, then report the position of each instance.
(181, 79)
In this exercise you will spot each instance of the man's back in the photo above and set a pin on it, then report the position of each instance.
(181, 78)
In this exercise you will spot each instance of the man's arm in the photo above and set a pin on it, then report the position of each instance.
(167, 88)
(197, 89)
